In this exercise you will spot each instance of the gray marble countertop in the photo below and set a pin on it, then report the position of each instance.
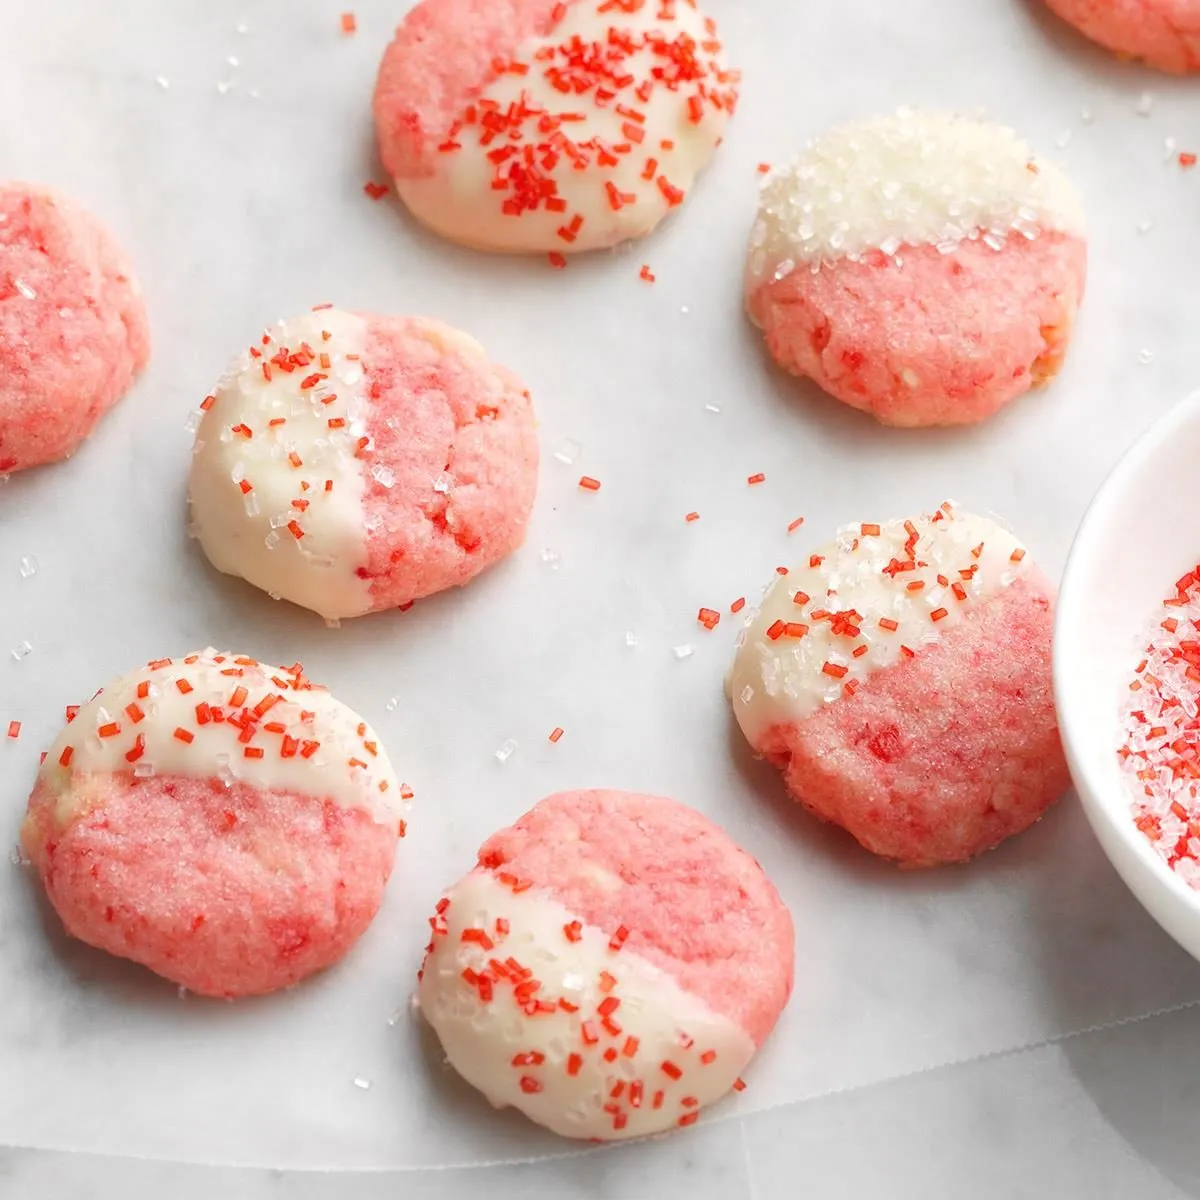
(1017, 1028)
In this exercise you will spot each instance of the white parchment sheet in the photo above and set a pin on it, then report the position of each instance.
(227, 142)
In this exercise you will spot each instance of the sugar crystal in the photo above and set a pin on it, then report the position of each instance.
(28, 566)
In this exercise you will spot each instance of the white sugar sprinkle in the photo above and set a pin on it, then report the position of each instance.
(360, 1082)
(22, 650)
(682, 652)
(14, 856)
(384, 476)
(568, 452)
(1145, 104)
(713, 408)
(1144, 227)
(1146, 357)
(443, 483)
(232, 61)
(162, 81)
(1086, 115)
(1063, 139)
(24, 289)
(28, 566)
(506, 751)
(631, 638)
(392, 704)
(332, 623)
(550, 558)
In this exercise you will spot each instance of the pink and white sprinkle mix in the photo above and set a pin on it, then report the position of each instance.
(1160, 733)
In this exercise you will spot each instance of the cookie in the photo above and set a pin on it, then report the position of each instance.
(609, 967)
(73, 326)
(1162, 33)
(924, 268)
(226, 823)
(351, 463)
(540, 125)
(900, 679)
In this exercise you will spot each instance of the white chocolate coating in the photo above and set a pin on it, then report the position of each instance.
(560, 1077)
(909, 179)
(251, 534)
(780, 679)
(458, 199)
(122, 730)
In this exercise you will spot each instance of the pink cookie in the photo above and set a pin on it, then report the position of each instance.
(923, 268)
(609, 967)
(73, 328)
(900, 680)
(527, 125)
(351, 463)
(225, 823)
(1163, 33)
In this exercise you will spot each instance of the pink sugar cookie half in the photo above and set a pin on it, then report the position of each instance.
(923, 268)
(900, 680)
(1162, 33)
(610, 966)
(550, 125)
(73, 326)
(352, 462)
(225, 823)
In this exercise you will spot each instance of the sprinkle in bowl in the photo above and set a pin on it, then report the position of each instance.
(1126, 559)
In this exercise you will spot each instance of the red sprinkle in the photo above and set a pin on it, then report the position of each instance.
(753, 479)
(646, 273)
(349, 23)
(375, 190)
(708, 617)
(556, 733)
(738, 605)
(589, 484)
(14, 730)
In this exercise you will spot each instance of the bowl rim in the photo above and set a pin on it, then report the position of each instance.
(1095, 787)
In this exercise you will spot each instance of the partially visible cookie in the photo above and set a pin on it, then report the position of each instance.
(352, 462)
(924, 268)
(73, 326)
(1162, 33)
(550, 125)
(609, 967)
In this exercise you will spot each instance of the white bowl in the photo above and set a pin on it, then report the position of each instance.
(1141, 533)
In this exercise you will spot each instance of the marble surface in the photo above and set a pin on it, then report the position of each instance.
(984, 1032)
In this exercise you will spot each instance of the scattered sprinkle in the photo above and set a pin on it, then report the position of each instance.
(505, 752)
(362, 1084)
(708, 617)
(375, 190)
(22, 650)
(589, 484)
(753, 479)
(738, 605)
(14, 730)
(28, 566)
(568, 452)
(556, 733)
(646, 274)
(692, 516)
(1187, 159)
(349, 26)
(682, 652)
